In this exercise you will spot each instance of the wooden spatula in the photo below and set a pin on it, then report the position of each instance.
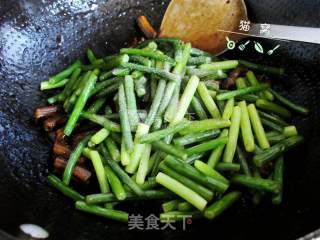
(207, 23)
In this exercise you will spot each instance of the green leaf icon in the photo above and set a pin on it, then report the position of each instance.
(258, 47)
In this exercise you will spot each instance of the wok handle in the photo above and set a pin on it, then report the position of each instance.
(282, 32)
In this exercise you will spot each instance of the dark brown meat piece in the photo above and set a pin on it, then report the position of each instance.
(79, 172)
(146, 27)
(61, 149)
(47, 111)
(233, 75)
(54, 121)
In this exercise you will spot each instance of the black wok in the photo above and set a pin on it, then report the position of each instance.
(39, 38)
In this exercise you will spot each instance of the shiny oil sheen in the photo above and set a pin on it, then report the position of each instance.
(39, 38)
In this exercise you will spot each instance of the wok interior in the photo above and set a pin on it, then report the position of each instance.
(39, 39)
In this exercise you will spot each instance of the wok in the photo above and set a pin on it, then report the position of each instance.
(40, 37)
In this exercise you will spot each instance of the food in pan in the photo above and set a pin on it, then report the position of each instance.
(166, 122)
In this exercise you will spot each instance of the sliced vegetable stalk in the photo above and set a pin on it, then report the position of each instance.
(99, 169)
(124, 120)
(170, 149)
(155, 103)
(147, 53)
(115, 183)
(74, 157)
(254, 82)
(138, 148)
(273, 107)
(217, 152)
(96, 105)
(159, 72)
(115, 61)
(92, 58)
(240, 92)
(131, 103)
(185, 207)
(246, 131)
(196, 137)
(143, 166)
(147, 195)
(103, 212)
(243, 162)
(198, 188)
(205, 146)
(172, 87)
(189, 171)
(171, 110)
(205, 125)
(170, 206)
(113, 149)
(257, 127)
(233, 135)
(207, 170)
(198, 109)
(228, 109)
(124, 153)
(48, 86)
(228, 167)
(293, 106)
(67, 191)
(69, 102)
(256, 183)
(228, 64)
(278, 177)
(276, 150)
(290, 131)
(98, 137)
(103, 121)
(185, 99)
(241, 83)
(181, 190)
(273, 118)
(221, 205)
(262, 68)
(65, 73)
(158, 135)
(80, 104)
(208, 101)
(122, 175)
